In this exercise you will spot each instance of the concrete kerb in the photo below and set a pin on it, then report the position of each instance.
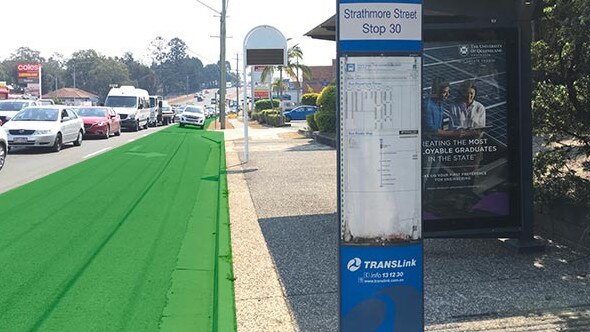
(261, 304)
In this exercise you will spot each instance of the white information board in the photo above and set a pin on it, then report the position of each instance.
(380, 148)
(380, 21)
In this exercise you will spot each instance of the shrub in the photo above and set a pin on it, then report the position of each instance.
(262, 116)
(313, 126)
(326, 121)
(275, 120)
(309, 99)
(327, 100)
(264, 104)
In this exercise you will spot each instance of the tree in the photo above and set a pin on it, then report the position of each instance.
(106, 72)
(561, 101)
(177, 51)
(159, 50)
(294, 56)
(79, 67)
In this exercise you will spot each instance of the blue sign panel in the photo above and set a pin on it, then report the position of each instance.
(381, 288)
(379, 26)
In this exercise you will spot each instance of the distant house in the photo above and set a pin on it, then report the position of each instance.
(73, 97)
(321, 76)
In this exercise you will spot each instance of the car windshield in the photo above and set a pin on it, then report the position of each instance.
(121, 101)
(91, 112)
(12, 105)
(194, 110)
(36, 114)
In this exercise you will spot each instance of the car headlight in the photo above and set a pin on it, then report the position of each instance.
(42, 132)
(100, 124)
(132, 116)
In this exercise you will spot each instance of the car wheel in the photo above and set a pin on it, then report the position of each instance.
(3, 152)
(146, 125)
(57, 144)
(78, 140)
(107, 133)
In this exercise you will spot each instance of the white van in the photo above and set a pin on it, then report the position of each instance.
(132, 104)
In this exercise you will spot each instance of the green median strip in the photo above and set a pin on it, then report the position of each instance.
(110, 243)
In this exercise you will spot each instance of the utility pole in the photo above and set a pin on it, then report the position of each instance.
(222, 67)
(238, 84)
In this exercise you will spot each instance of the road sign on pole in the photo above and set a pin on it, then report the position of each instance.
(263, 46)
(379, 168)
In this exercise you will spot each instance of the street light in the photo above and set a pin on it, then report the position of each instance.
(55, 77)
(77, 63)
(222, 67)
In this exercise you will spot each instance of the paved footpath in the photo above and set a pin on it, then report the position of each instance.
(284, 235)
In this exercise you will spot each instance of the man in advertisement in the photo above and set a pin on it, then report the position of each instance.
(464, 139)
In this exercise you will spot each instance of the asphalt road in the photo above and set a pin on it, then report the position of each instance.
(24, 165)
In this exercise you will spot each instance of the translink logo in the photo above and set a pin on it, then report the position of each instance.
(354, 264)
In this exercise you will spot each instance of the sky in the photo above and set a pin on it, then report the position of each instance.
(113, 27)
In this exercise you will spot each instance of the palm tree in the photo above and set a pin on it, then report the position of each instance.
(292, 69)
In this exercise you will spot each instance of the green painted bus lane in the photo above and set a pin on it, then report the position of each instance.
(103, 249)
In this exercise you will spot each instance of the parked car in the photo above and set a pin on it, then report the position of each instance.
(299, 113)
(3, 146)
(45, 102)
(9, 107)
(100, 121)
(167, 113)
(45, 126)
(193, 115)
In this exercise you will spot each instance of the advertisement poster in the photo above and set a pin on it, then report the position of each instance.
(380, 149)
(381, 288)
(464, 130)
(261, 89)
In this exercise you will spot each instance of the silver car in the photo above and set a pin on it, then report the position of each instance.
(45, 126)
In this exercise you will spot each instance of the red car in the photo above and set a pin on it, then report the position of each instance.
(100, 121)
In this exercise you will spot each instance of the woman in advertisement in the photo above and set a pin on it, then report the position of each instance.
(468, 113)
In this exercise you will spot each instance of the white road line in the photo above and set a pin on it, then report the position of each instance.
(97, 152)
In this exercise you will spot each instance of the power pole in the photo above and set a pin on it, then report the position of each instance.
(222, 67)
(238, 83)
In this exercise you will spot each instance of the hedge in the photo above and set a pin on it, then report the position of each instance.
(264, 104)
(327, 100)
(309, 99)
(313, 126)
(326, 121)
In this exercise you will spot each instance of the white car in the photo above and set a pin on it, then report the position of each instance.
(193, 115)
(3, 147)
(45, 126)
(9, 107)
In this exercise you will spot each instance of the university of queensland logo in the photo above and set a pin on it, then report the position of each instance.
(350, 67)
(464, 50)
(354, 264)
